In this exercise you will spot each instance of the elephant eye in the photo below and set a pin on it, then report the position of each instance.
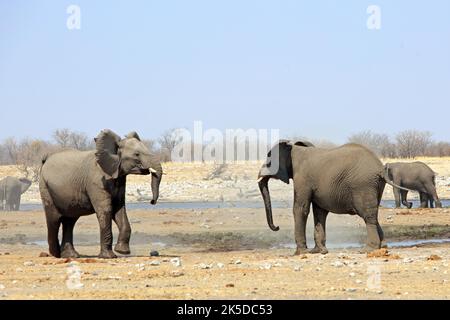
(137, 154)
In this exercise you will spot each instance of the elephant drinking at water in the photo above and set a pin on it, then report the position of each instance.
(77, 183)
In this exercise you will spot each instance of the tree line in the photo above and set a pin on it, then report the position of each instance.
(27, 153)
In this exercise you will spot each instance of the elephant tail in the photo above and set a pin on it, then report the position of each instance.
(386, 178)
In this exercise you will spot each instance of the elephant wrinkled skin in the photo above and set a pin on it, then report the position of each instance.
(77, 183)
(348, 179)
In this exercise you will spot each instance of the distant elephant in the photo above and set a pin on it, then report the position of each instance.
(415, 176)
(11, 190)
(349, 179)
(77, 183)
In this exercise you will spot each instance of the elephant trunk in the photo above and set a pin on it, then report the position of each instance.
(264, 188)
(156, 171)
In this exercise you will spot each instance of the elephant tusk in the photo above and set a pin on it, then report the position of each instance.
(260, 178)
(153, 170)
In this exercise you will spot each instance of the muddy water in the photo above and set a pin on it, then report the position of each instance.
(198, 205)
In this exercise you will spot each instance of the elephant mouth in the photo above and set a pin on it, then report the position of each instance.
(140, 171)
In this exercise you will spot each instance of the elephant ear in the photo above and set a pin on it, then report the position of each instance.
(107, 146)
(279, 162)
(301, 143)
(132, 135)
(25, 184)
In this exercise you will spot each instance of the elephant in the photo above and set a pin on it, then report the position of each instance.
(349, 179)
(415, 176)
(76, 183)
(11, 190)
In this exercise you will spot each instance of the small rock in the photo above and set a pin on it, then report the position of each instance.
(205, 266)
(266, 266)
(337, 264)
(114, 277)
(350, 289)
(229, 285)
(2, 287)
(358, 281)
(155, 263)
(177, 273)
(176, 262)
(28, 263)
(318, 269)
(434, 257)
(43, 255)
(220, 265)
(407, 260)
(297, 268)
(237, 262)
(154, 253)
(352, 274)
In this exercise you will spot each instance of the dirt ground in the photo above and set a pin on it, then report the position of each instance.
(229, 254)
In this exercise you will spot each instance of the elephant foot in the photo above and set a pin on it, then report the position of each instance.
(409, 205)
(122, 248)
(438, 204)
(69, 252)
(300, 251)
(317, 249)
(107, 254)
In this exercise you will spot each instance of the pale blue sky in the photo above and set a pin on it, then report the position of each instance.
(309, 68)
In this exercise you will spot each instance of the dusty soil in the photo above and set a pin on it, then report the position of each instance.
(228, 253)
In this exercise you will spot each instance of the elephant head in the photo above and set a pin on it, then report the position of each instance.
(278, 166)
(120, 157)
(24, 185)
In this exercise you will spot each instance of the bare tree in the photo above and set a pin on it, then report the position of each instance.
(412, 143)
(12, 149)
(62, 137)
(168, 140)
(438, 149)
(65, 138)
(378, 143)
(29, 157)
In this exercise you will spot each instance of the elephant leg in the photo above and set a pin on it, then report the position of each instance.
(431, 190)
(368, 210)
(67, 249)
(423, 200)
(397, 197)
(320, 218)
(301, 211)
(103, 209)
(53, 223)
(123, 242)
(383, 243)
(404, 195)
(17, 205)
(431, 201)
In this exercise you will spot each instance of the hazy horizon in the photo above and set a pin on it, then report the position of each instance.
(308, 68)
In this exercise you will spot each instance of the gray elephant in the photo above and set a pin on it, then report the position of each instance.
(11, 190)
(77, 183)
(349, 179)
(415, 176)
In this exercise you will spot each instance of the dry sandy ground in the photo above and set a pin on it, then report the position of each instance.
(228, 253)
(235, 182)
